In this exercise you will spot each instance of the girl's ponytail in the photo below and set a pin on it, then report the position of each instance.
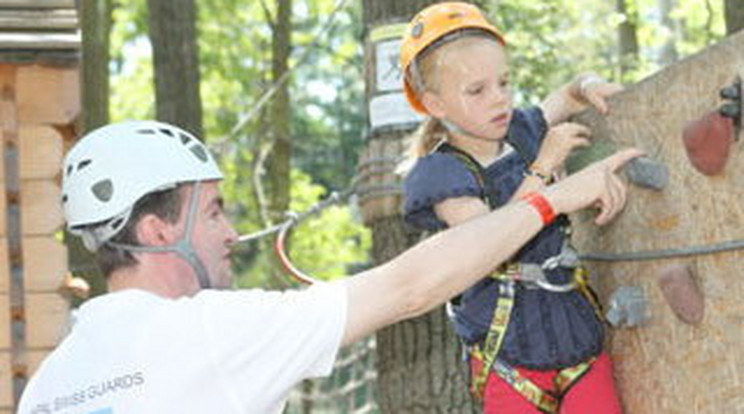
(427, 137)
(423, 141)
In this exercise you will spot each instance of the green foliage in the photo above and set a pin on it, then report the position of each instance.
(327, 120)
(132, 90)
(552, 40)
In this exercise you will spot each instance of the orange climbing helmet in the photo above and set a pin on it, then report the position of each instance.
(431, 24)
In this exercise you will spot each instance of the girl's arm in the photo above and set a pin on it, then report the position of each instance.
(575, 96)
(559, 141)
(454, 211)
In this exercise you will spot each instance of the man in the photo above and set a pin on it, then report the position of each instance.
(169, 338)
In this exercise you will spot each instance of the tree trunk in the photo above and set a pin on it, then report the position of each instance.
(176, 63)
(420, 367)
(734, 11)
(279, 116)
(96, 28)
(95, 17)
(627, 37)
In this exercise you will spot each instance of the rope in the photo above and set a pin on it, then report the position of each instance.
(665, 253)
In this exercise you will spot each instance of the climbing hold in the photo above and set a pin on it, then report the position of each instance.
(708, 142)
(682, 293)
(627, 307)
(648, 173)
(733, 105)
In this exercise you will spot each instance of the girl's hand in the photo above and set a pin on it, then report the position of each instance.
(592, 89)
(559, 141)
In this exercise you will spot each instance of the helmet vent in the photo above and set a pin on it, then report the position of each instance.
(166, 132)
(82, 164)
(146, 131)
(103, 190)
(116, 223)
(68, 171)
(185, 139)
(198, 150)
(64, 198)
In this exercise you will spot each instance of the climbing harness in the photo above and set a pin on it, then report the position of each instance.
(528, 275)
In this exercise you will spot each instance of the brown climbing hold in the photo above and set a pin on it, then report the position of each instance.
(682, 293)
(708, 142)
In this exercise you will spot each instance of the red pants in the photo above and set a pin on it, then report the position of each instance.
(593, 393)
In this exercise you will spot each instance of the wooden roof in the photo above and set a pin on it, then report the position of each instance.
(32, 30)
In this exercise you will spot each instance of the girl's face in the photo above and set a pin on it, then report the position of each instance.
(470, 86)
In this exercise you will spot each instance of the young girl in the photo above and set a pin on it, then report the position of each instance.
(532, 328)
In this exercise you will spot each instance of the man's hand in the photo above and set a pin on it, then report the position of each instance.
(596, 185)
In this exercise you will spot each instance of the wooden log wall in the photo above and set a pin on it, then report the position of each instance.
(38, 106)
(666, 365)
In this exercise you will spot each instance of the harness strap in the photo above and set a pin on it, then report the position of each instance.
(545, 401)
(497, 330)
(581, 276)
(475, 169)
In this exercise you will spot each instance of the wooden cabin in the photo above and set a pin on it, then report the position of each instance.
(39, 105)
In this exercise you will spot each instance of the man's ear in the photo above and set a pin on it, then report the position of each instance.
(433, 104)
(154, 231)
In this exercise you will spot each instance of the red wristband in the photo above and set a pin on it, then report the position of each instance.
(542, 205)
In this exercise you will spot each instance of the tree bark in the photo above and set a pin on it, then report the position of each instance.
(279, 115)
(627, 37)
(176, 63)
(95, 18)
(96, 28)
(419, 362)
(734, 12)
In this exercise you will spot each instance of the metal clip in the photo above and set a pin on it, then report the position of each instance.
(568, 257)
(533, 273)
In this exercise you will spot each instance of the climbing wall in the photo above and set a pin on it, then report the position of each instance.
(38, 105)
(666, 365)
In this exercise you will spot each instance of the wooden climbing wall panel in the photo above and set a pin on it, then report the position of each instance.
(39, 106)
(665, 365)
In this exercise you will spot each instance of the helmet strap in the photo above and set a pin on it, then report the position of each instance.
(183, 247)
(451, 127)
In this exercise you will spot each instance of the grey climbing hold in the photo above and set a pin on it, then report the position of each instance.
(627, 307)
(648, 173)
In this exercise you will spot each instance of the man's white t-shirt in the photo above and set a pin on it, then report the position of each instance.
(217, 352)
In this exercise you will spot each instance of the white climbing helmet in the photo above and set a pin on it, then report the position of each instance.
(114, 166)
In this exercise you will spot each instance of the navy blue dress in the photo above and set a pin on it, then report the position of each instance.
(547, 330)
